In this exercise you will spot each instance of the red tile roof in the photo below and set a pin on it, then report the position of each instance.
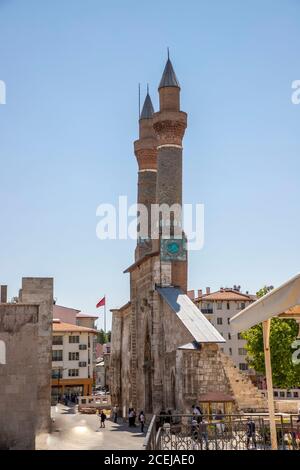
(59, 327)
(226, 294)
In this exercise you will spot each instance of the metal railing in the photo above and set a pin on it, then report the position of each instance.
(226, 432)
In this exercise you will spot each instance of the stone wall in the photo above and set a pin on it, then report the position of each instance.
(18, 377)
(40, 291)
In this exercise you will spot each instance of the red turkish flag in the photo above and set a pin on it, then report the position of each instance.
(101, 302)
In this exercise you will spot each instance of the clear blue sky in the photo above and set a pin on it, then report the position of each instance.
(66, 136)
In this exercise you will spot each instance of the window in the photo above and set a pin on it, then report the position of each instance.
(219, 321)
(229, 336)
(230, 351)
(73, 372)
(228, 306)
(82, 364)
(108, 349)
(73, 356)
(242, 305)
(240, 336)
(281, 394)
(219, 305)
(89, 341)
(228, 321)
(56, 374)
(57, 355)
(57, 340)
(243, 366)
(296, 394)
(242, 352)
(275, 394)
(82, 347)
(73, 339)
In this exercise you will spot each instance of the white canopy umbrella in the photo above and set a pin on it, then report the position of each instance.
(283, 302)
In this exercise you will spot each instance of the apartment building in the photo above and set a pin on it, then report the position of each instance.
(72, 359)
(219, 307)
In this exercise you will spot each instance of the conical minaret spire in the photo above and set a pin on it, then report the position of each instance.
(148, 110)
(169, 78)
(145, 149)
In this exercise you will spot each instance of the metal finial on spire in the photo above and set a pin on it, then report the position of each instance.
(168, 49)
(147, 88)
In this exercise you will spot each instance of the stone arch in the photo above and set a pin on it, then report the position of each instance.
(2, 352)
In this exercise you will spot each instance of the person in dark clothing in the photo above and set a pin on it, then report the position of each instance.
(162, 415)
(250, 433)
(168, 418)
(130, 416)
(142, 420)
(102, 419)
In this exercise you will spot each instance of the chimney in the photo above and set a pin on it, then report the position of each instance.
(208, 290)
(191, 294)
(199, 292)
(3, 298)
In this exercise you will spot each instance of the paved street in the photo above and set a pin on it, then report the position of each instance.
(73, 431)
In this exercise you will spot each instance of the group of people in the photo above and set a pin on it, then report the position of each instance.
(199, 428)
(132, 418)
(68, 397)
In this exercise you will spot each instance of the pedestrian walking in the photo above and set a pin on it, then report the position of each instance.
(203, 433)
(250, 433)
(195, 432)
(102, 419)
(115, 414)
(142, 420)
(197, 412)
(220, 425)
(131, 417)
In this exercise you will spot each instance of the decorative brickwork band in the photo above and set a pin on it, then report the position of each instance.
(169, 131)
(147, 158)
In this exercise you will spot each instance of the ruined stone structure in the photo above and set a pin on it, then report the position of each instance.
(165, 353)
(25, 374)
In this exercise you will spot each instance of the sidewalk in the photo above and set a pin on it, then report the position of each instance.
(75, 431)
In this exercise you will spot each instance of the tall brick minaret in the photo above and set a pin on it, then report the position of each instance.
(169, 125)
(145, 149)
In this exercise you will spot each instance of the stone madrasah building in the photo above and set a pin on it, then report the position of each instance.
(165, 354)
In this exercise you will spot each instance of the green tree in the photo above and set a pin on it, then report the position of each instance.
(103, 337)
(283, 333)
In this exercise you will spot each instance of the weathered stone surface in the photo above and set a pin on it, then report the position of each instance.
(18, 377)
(40, 291)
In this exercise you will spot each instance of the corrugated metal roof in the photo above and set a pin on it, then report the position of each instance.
(195, 322)
(168, 77)
(148, 110)
(190, 346)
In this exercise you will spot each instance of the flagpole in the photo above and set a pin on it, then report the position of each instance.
(105, 314)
